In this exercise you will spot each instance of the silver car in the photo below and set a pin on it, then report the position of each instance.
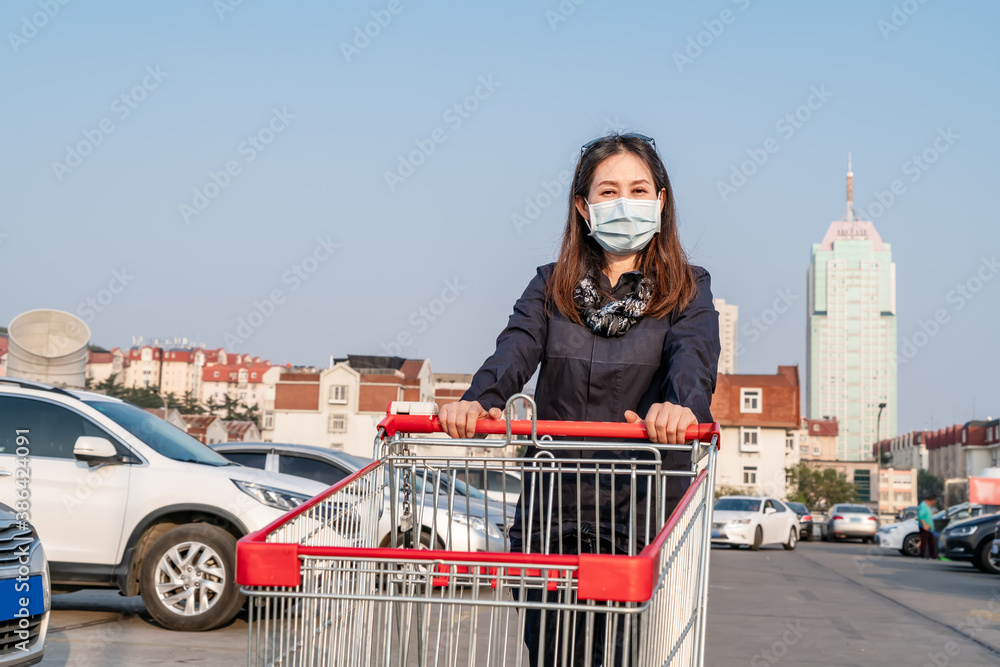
(25, 592)
(450, 514)
(850, 521)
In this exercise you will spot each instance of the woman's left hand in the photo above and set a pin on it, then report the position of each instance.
(666, 423)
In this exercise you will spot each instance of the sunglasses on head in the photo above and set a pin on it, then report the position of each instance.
(630, 135)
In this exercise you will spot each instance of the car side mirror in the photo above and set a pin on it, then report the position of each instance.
(769, 510)
(94, 450)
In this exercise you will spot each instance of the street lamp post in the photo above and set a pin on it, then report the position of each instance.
(878, 442)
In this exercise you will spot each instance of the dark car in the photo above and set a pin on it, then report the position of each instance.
(971, 540)
(805, 520)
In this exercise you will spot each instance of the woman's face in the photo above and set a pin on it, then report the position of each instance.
(621, 175)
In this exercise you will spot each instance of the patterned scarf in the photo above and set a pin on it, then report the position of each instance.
(615, 317)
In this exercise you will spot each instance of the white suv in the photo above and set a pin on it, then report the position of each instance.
(122, 499)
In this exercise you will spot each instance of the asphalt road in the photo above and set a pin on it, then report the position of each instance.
(849, 604)
(822, 604)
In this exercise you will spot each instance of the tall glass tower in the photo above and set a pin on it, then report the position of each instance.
(851, 335)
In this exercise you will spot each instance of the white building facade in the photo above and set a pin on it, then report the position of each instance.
(728, 318)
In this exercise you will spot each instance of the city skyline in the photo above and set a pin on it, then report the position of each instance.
(297, 247)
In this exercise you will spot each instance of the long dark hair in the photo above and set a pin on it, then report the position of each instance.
(662, 261)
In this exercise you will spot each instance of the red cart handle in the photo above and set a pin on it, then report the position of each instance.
(421, 420)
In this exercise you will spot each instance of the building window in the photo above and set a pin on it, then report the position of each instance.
(750, 439)
(268, 420)
(338, 393)
(817, 451)
(862, 485)
(749, 474)
(750, 400)
(337, 423)
(804, 450)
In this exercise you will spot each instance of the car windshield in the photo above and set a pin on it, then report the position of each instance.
(461, 488)
(853, 509)
(737, 505)
(798, 508)
(163, 438)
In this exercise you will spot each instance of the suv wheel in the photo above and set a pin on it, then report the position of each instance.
(188, 578)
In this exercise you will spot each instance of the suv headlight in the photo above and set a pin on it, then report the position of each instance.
(279, 499)
(739, 522)
(477, 523)
(961, 531)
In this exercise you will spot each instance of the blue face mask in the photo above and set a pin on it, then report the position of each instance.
(624, 226)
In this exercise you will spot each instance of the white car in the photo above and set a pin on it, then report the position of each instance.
(754, 521)
(904, 536)
(24, 590)
(122, 499)
(473, 524)
(501, 485)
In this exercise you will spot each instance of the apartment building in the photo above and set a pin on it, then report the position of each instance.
(250, 384)
(758, 414)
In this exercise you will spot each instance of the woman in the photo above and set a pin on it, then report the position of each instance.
(623, 327)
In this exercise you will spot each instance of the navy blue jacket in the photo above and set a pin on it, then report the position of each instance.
(586, 377)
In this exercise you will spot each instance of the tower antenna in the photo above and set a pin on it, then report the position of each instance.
(850, 215)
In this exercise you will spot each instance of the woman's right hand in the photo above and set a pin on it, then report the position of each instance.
(458, 419)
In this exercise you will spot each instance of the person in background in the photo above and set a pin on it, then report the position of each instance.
(925, 517)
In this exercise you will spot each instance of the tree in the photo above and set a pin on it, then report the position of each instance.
(723, 491)
(230, 405)
(818, 488)
(212, 406)
(928, 485)
(189, 405)
(110, 386)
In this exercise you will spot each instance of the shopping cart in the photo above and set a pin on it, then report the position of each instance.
(403, 563)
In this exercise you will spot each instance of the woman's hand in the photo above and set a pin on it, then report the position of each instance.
(458, 419)
(666, 423)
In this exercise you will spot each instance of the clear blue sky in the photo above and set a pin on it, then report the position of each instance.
(550, 85)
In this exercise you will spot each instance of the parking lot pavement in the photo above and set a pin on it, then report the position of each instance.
(848, 604)
(103, 629)
(822, 604)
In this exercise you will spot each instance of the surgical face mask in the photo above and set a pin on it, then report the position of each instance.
(624, 226)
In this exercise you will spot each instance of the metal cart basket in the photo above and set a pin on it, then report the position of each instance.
(588, 546)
